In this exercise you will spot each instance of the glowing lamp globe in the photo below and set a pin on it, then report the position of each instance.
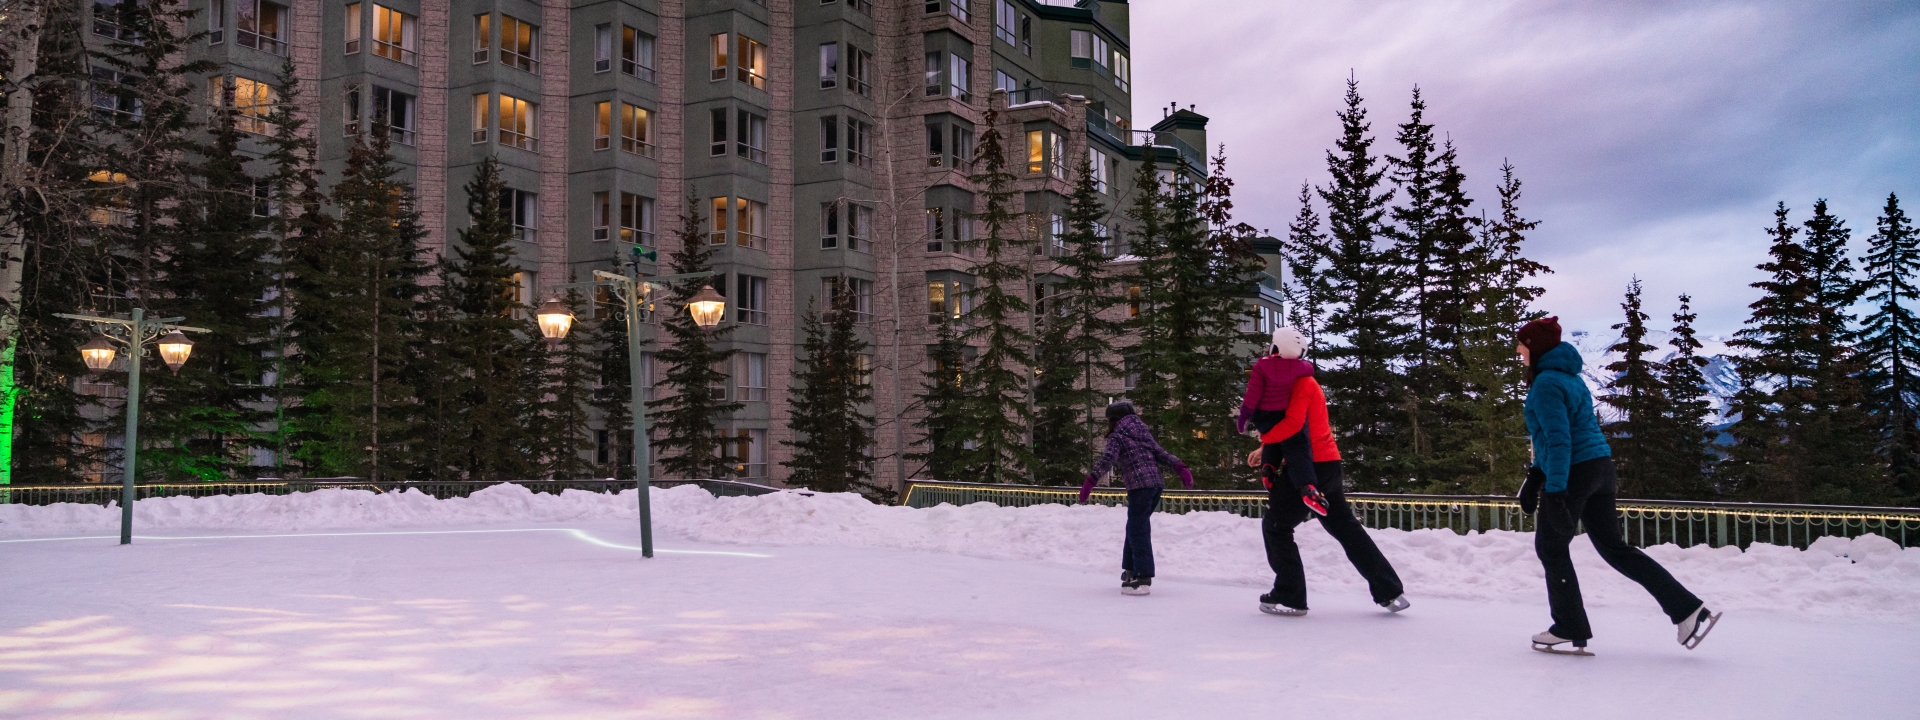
(555, 319)
(97, 353)
(174, 349)
(707, 307)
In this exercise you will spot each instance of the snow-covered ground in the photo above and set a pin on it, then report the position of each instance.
(510, 604)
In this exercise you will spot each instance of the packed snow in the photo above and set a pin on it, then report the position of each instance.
(343, 603)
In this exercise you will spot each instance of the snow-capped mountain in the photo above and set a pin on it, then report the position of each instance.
(1721, 380)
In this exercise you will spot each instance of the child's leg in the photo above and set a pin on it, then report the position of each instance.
(1298, 454)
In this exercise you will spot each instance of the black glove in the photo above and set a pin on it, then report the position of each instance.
(1530, 490)
(1554, 512)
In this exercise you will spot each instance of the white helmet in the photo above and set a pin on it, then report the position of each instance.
(1289, 343)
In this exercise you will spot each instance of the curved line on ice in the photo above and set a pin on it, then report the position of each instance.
(575, 532)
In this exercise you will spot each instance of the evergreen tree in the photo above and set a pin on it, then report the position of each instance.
(299, 226)
(833, 407)
(491, 343)
(613, 395)
(941, 401)
(1367, 390)
(1307, 290)
(1685, 458)
(204, 421)
(1638, 400)
(1076, 342)
(1490, 433)
(1837, 438)
(995, 446)
(564, 371)
(1221, 272)
(354, 295)
(1149, 288)
(1890, 345)
(687, 416)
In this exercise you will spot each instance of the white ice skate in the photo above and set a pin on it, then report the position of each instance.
(1271, 606)
(1547, 642)
(1696, 626)
(1396, 605)
(1136, 586)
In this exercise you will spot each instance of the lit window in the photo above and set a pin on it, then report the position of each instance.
(636, 219)
(480, 121)
(519, 43)
(517, 123)
(482, 38)
(936, 302)
(602, 125)
(636, 130)
(1036, 152)
(721, 210)
(751, 62)
(251, 100)
(353, 28)
(719, 47)
(393, 35)
(750, 226)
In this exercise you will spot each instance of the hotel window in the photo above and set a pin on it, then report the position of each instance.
(1097, 168)
(263, 199)
(947, 301)
(251, 100)
(949, 146)
(602, 48)
(602, 125)
(719, 46)
(106, 20)
(394, 35)
(1081, 47)
(750, 452)
(636, 130)
(830, 139)
(956, 8)
(112, 100)
(1133, 301)
(1122, 72)
(519, 207)
(829, 65)
(751, 61)
(936, 303)
(962, 148)
(1036, 152)
(948, 230)
(1004, 81)
(721, 211)
(750, 136)
(1057, 229)
(396, 110)
(750, 376)
(602, 216)
(936, 230)
(1026, 35)
(750, 223)
(217, 22)
(751, 301)
(482, 38)
(1004, 21)
(519, 43)
(636, 219)
(1106, 239)
(1059, 150)
(517, 127)
(480, 115)
(353, 28)
(936, 145)
(263, 26)
(1100, 52)
(350, 111)
(861, 300)
(859, 219)
(860, 143)
(859, 70)
(718, 139)
(636, 53)
(960, 78)
(936, 66)
(830, 225)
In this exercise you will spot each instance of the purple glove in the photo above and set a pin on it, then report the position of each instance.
(1086, 488)
(1240, 425)
(1186, 476)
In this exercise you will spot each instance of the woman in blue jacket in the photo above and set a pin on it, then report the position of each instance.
(1574, 466)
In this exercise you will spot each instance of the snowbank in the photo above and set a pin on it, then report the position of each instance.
(1867, 577)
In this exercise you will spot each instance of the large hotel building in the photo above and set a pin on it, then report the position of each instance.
(820, 139)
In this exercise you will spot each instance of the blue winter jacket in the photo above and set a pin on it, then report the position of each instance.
(1560, 417)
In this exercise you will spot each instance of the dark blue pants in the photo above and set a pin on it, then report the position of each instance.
(1590, 499)
(1285, 512)
(1136, 556)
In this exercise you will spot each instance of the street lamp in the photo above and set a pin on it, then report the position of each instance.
(98, 353)
(706, 307)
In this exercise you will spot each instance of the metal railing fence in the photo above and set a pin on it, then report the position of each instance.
(1644, 523)
(106, 494)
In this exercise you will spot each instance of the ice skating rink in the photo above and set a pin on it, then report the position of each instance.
(464, 612)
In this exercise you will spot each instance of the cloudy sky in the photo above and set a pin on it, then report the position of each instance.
(1653, 138)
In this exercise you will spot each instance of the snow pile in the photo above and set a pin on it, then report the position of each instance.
(1866, 577)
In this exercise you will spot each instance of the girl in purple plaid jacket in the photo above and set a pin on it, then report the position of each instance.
(1132, 450)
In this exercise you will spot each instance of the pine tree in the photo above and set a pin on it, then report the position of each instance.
(833, 407)
(354, 295)
(1148, 282)
(993, 428)
(687, 416)
(492, 343)
(204, 420)
(564, 371)
(1076, 342)
(1214, 358)
(1837, 437)
(1366, 390)
(1638, 400)
(941, 401)
(1490, 434)
(1890, 345)
(1307, 291)
(299, 226)
(1685, 458)
(613, 395)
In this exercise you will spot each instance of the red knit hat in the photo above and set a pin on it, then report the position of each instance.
(1541, 335)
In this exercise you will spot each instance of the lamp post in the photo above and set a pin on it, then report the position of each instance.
(98, 353)
(706, 307)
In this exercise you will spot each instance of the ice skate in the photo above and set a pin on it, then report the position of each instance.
(1136, 585)
(1547, 642)
(1696, 626)
(1271, 606)
(1314, 500)
(1396, 605)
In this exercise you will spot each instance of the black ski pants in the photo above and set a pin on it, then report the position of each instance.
(1136, 555)
(1589, 499)
(1294, 453)
(1285, 512)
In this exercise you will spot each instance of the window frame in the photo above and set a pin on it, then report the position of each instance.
(404, 52)
(274, 43)
(602, 48)
(829, 139)
(750, 136)
(525, 112)
(829, 65)
(528, 61)
(353, 30)
(636, 130)
(482, 38)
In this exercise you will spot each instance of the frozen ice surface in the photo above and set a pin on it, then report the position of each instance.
(516, 605)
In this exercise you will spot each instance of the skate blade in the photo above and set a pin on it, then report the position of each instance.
(1281, 610)
(1700, 633)
(1142, 590)
(1554, 650)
